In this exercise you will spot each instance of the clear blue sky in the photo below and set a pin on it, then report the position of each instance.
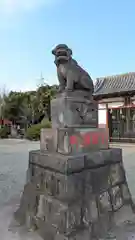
(100, 33)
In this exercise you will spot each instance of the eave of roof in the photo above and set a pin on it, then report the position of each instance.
(118, 84)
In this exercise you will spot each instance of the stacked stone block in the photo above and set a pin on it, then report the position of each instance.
(76, 184)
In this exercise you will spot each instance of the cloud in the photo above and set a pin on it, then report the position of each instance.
(12, 6)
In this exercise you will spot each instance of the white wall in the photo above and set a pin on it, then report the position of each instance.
(102, 113)
(102, 109)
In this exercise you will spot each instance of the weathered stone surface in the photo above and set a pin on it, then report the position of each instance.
(116, 173)
(100, 179)
(116, 197)
(90, 209)
(47, 232)
(82, 140)
(103, 157)
(48, 139)
(123, 214)
(58, 162)
(71, 192)
(126, 196)
(73, 163)
(79, 234)
(104, 176)
(28, 205)
(101, 226)
(104, 203)
(63, 217)
(73, 140)
(63, 187)
(72, 111)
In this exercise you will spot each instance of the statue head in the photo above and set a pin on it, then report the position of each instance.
(62, 53)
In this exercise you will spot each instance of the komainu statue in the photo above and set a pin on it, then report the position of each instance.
(70, 75)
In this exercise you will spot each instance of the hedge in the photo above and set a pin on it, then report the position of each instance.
(33, 132)
(4, 132)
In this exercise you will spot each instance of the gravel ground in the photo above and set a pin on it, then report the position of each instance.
(129, 164)
(13, 166)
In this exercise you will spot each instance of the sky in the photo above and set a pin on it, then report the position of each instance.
(100, 33)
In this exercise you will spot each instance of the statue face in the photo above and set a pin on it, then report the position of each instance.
(62, 54)
(62, 49)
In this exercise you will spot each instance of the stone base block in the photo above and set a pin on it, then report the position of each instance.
(74, 140)
(68, 164)
(81, 140)
(72, 111)
(54, 235)
(48, 139)
(55, 162)
(80, 234)
(65, 218)
(75, 197)
(67, 188)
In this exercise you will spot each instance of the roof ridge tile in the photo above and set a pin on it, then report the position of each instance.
(116, 83)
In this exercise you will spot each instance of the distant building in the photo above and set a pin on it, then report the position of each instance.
(116, 98)
(5, 122)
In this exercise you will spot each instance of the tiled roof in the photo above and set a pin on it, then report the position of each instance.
(115, 84)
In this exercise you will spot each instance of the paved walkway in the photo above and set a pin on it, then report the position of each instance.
(122, 145)
(13, 166)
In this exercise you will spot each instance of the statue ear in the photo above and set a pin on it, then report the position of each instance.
(54, 51)
(56, 62)
(69, 51)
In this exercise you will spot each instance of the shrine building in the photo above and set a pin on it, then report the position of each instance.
(116, 106)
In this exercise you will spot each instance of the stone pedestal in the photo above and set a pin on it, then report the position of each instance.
(76, 189)
(71, 112)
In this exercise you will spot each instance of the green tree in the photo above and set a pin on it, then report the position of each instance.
(3, 96)
(28, 107)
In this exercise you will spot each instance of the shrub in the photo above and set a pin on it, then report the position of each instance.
(46, 124)
(4, 132)
(33, 132)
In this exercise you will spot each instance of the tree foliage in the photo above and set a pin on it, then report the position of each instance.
(27, 107)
